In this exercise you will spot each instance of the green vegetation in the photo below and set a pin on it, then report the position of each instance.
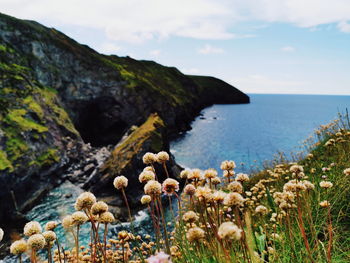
(27, 113)
(131, 146)
(292, 212)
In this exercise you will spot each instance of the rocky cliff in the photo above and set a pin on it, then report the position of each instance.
(57, 95)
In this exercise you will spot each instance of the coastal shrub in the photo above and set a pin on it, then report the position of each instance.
(292, 212)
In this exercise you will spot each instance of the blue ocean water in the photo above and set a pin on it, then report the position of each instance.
(252, 133)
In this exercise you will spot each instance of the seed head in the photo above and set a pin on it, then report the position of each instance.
(235, 187)
(347, 171)
(190, 217)
(210, 173)
(149, 158)
(228, 165)
(195, 234)
(146, 199)
(18, 247)
(185, 174)
(229, 230)
(99, 208)
(219, 196)
(216, 181)
(49, 236)
(262, 210)
(32, 228)
(67, 222)
(325, 204)
(242, 177)
(296, 169)
(170, 186)
(326, 184)
(153, 188)
(36, 242)
(233, 199)
(106, 218)
(120, 182)
(85, 201)
(51, 225)
(189, 189)
(146, 176)
(162, 157)
(79, 218)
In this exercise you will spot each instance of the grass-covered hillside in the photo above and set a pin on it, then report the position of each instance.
(293, 212)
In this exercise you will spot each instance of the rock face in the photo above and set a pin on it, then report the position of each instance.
(56, 96)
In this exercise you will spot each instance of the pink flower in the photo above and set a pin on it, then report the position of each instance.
(160, 257)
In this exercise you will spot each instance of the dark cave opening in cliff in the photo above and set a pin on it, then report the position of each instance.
(96, 124)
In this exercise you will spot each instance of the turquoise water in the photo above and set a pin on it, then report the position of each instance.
(252, 133)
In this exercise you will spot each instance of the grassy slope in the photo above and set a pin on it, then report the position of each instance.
(325, 163)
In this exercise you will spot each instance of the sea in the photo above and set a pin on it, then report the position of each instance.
(250, 134)
(254, 134)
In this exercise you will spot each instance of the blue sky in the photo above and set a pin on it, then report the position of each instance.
(259, 46)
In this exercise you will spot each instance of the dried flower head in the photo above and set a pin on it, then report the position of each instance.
(49, 236)
(216, 181)
(325, 204)
(195, 234)
(85, 201)
(229, 230)
(185, 174)
(228, 173)
(146, 176)
(153, 188)
(106, 218)
(219, 196)
(233, 199)
(203, 193)
(122, 235)
(190, 217)
(36, 241)
(347, 171)
(242, 177)
(228, 165)
(120, 182)
(67, 222)
(162, 157)
(170, 186)
(1, 234)
(262, 210)
(99, 208)
(79, 218)
(18, 247)
(296, 168)
(51, 225)
(146, 199)
(235, 187)
(189, 189)
(149, 158)
(210, 173)
(196, 174)
(326, 184)
(32, 228)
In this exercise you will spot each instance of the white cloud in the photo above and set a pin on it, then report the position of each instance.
(137, 21)
(288, 49)
(109, 48)
(344, 27)
(208, 49)
(155, 53)
(133, 20)
(190, 71)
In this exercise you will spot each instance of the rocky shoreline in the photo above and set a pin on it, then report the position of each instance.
(70, 113)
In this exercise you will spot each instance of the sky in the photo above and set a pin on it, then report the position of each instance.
(259, 46)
